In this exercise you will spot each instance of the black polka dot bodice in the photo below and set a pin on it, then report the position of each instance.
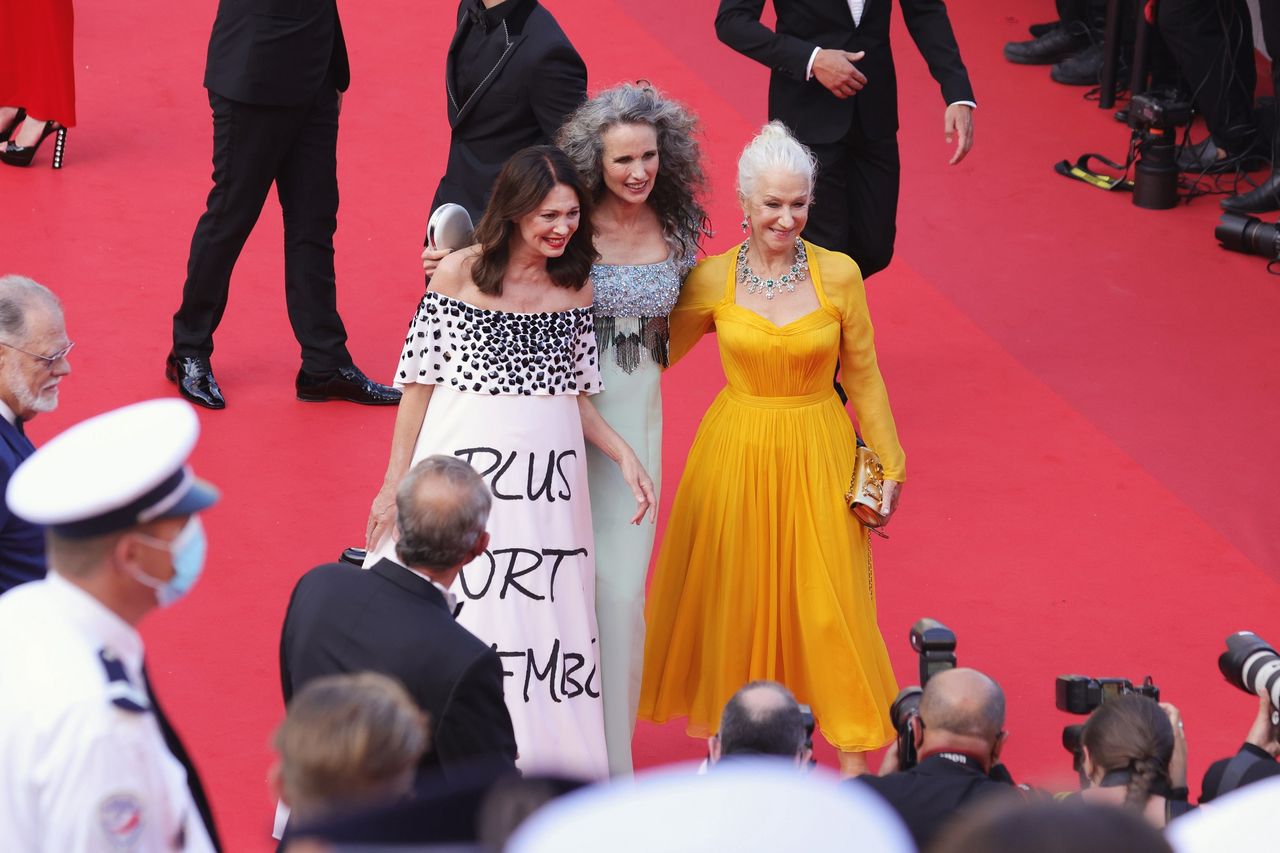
(482, 351)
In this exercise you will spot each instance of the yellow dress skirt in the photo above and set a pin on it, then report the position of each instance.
(763, 572)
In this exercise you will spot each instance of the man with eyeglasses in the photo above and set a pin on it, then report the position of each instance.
(33, 363)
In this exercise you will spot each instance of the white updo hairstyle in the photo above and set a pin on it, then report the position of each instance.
(773, 148)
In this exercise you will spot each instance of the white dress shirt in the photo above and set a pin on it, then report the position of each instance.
(8, 415)
(77, 772)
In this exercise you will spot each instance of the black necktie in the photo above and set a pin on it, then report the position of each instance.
(172, 741)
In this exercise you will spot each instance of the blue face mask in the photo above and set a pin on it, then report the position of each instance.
(188, 551)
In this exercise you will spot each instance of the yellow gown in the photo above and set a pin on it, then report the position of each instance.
(764, 573)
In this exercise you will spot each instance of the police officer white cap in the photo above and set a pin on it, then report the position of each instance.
(113, 471)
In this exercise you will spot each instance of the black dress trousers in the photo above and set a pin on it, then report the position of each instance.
(855, 197)
(254, 146)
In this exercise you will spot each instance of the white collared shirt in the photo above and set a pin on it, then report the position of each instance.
(8, 413)
(855, 9)
(449, 598)
(78, 773)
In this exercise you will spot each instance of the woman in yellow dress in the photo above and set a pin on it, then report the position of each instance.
(764, 573)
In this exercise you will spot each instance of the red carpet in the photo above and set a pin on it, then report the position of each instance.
(1088, 392)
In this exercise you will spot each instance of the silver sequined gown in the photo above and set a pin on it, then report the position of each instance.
(632, 303)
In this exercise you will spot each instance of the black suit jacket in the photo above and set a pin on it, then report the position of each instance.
(387, 619)
(539, 80)
(21, 543)
(276, 52)
(1263, 768)
(932, 792)
(806, 106)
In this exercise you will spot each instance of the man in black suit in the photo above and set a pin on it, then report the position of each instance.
(33, 362)
(511, 79)
(958, 734)
(848, 114)
(276, 71)
(400, 621)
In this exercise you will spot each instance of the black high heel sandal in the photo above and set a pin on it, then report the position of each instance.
(22, 155)
(18, 119)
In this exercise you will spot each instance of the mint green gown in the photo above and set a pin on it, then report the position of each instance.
(631, 306)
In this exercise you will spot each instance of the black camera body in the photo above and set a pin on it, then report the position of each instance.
(935, 643)
(1154, 118)
(1079, 694)
(1158, 110)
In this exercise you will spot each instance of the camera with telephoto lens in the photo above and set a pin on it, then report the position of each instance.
(1079, 694)
(935, 643)
(1249, 235)
(1253, 666)
(1154, 118)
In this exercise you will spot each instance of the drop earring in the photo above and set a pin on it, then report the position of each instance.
(744, 225)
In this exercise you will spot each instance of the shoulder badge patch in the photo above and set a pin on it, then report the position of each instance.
(120, 816)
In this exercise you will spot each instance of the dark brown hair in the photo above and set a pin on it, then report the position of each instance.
(521, 187)
(1131, 733)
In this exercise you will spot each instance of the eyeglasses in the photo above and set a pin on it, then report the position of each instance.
(46, 361)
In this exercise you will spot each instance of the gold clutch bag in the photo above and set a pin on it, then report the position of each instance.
(866, 488)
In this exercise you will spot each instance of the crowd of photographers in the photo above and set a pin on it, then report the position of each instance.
(354, 740)
(1178, 59)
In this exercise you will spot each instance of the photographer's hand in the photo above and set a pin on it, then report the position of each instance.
(1262, 733)
(958, 122)
(1178, 762)
(890, 762)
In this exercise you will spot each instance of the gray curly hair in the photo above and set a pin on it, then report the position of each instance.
(681, 182)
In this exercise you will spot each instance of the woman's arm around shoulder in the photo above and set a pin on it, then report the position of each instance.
(694, 315)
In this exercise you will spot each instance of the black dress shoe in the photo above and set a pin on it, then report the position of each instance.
(346, 383)
(1054, 46)
(1038, 30)
(194, 378)
(1082, 69)
(1262, 199)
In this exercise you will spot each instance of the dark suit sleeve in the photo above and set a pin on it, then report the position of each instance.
(930, 27)
(475, 726)
(738, 25)
(560, 89)
(286, 677)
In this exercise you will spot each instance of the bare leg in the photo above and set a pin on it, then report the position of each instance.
(852, 764)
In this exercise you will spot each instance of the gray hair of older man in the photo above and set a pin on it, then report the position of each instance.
(963, 702)
(17, 294)
(442, 507)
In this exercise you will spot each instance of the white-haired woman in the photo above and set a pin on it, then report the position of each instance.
(764, 573)
(638, 156)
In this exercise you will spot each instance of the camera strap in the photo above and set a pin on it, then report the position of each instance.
(1235, 770)
(1080, 171)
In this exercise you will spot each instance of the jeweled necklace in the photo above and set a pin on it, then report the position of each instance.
(786, 283)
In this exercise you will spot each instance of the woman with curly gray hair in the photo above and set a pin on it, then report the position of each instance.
(638, 156)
